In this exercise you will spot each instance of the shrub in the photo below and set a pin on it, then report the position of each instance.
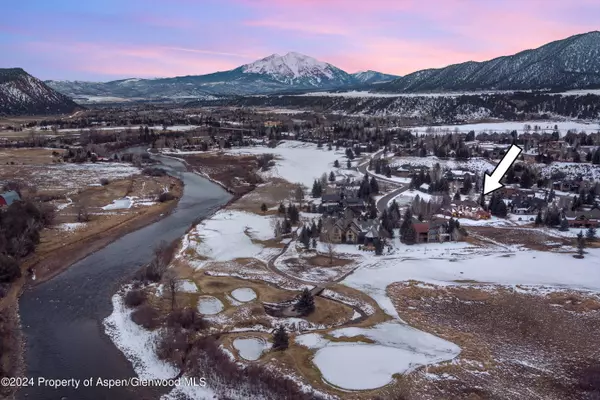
(146, 316)
(165, 196)
(187, 318)
(154, 171)
(9, 269)
(104, 181)
(135, 297)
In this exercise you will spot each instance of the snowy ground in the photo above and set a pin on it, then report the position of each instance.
(397, 348)
(544, 126)
(477, 165)
(571, 170)
(175, 128)
(250, 348)
(298, 162)
(445, 263)
(244, 294)
(228, 235)
(208, 305)
(360, 94)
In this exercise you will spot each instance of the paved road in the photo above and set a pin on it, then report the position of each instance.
(382, 202)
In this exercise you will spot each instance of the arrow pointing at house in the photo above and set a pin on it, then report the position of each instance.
(491, 183)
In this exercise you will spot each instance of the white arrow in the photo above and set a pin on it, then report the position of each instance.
(491, 183)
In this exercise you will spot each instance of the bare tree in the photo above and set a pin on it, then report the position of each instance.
(299, 195)
(172, 284)
(330, 246)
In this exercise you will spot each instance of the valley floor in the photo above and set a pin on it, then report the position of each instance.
(494, 316)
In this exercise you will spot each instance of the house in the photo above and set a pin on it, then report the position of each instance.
(348, 228)
(7, 198)
(331, 202)
(583, 219)
(422, 230)
(355, 203)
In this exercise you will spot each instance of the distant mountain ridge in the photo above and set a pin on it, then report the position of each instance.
(22, 94)
(570, 63)
(271, 74)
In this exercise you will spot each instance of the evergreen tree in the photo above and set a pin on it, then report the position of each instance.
(263, 208)
(564, 225)
(410, 235)
(591, 234)
(336, 164)
(538, 219)
(305, 304)
(374, 186)
(314, 243)
(526, 179)
(467, 184)
(293, 214)
(405, 223)
(580, 245)
(457, 196)
(281, 209)
(314, 230)
(348, 164)
(286, 226)
(317, 189)
(331, 177)
(378, 247)
(281, 339)
(305, 237)
(501, 210)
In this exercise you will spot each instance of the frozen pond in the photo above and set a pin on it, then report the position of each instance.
(244, 294)
(363, 366)
(120, 204)
(188, 287)
(209, 305)
(250, 348)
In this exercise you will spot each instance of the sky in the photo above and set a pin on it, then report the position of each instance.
(101, 40)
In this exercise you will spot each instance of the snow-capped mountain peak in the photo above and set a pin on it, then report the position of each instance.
(294, 68)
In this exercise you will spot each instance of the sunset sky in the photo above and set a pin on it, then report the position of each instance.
(112, 39)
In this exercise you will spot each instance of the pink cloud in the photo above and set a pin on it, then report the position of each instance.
(140, 61)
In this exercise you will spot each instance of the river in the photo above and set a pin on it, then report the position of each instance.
(62, 318)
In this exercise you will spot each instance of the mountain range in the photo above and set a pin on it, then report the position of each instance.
(275, 73)
(21, 93)
(571, 63)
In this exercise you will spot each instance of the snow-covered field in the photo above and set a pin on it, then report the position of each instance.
(71, 226)
(544, 126)
(76, 175)
(397, 348)
(477, 165)
(434, 264)
(571, 170)
(228, 235)
(174, 128)
(365, 94)
(298, 162)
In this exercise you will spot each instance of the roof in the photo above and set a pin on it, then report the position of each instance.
(10, 197)
(334, 198)
(424, 186)
(422, 227)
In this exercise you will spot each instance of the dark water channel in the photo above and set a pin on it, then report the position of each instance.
(62, 318)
